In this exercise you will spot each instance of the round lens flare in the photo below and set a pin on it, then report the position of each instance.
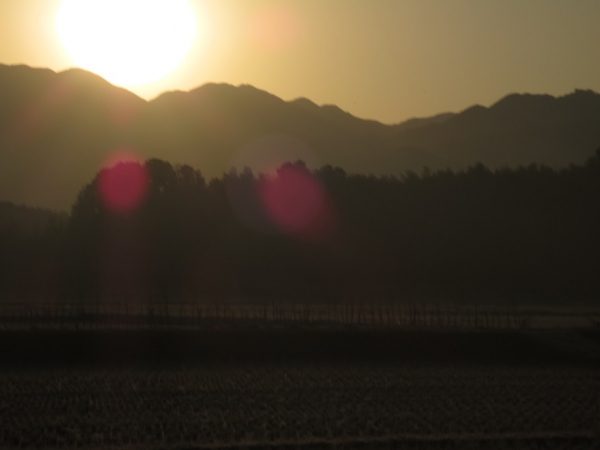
(123, 184)
(294, 200)
(128, 42)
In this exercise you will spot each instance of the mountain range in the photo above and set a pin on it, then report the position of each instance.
(58, 129)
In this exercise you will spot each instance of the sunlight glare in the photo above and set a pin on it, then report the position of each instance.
(128, 42)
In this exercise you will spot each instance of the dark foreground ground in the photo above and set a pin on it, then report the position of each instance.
(126, 347)
(308, 389)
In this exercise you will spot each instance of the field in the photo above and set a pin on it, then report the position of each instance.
(299, 388)
(301, 406)
(259, 376)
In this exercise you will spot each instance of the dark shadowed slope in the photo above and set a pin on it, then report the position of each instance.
(517, 130)
(217, 126)
(56, 129)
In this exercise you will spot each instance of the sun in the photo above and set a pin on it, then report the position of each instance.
(127, 42)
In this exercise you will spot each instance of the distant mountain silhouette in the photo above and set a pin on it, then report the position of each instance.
(56, 129)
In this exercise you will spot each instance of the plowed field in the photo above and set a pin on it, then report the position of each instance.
(306, 406)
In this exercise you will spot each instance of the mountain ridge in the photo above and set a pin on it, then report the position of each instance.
(57, 129)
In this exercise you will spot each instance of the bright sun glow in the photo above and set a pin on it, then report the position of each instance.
(128, 42)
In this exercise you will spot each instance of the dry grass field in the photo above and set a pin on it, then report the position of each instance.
(301, 406)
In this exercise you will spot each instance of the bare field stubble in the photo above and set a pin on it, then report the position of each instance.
(309, 406)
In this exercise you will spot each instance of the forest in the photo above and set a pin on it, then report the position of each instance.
(155, 233)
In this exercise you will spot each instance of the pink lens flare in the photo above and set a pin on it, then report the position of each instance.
(123, 184)
(296, 202)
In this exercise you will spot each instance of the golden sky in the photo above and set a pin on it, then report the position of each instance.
(387, 60)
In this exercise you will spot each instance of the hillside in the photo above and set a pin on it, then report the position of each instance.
(57, 129)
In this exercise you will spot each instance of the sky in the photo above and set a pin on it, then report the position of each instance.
(388, 60)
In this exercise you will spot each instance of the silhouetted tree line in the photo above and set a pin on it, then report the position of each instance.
(514, 234)
(31, 243)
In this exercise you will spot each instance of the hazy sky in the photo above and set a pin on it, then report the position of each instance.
(382, 59)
